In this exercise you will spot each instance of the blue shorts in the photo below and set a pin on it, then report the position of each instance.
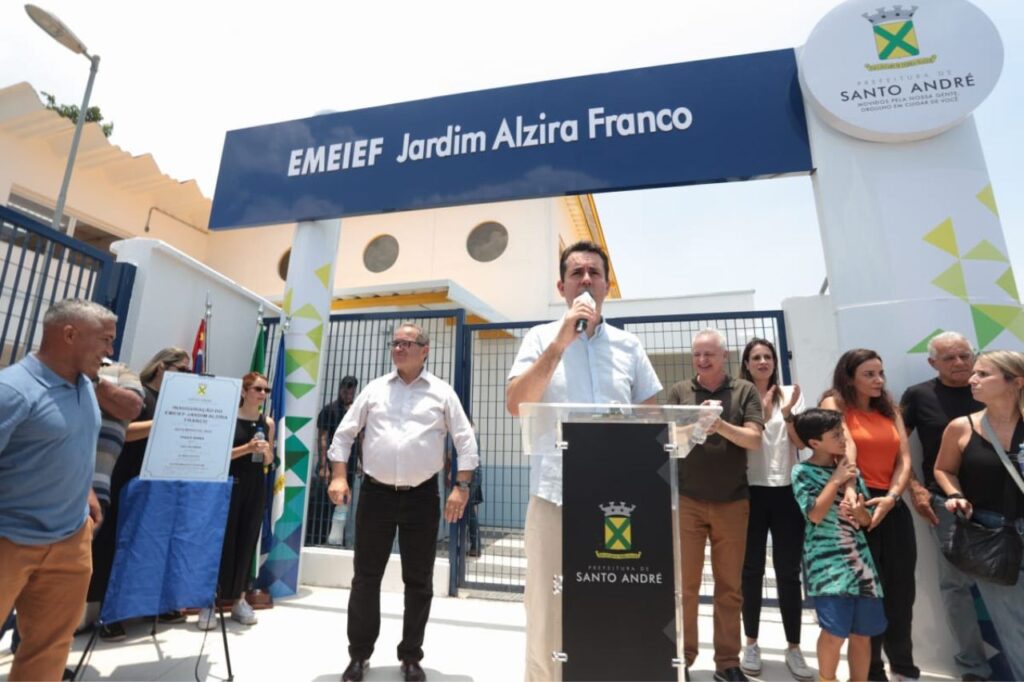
(845, 616)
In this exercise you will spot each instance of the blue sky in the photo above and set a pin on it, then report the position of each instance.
(175, 77)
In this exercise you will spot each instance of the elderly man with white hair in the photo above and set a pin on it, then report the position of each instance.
(714, 499)
(49, 424)
(928, 408)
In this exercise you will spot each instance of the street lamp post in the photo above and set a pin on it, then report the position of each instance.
(57, 30)
(63, 35)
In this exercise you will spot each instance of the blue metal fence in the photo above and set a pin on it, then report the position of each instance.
(39, 266)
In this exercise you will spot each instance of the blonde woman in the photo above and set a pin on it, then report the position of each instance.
(977, 483)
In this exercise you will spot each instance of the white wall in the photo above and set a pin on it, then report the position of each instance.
(169, 300)
(811, 332)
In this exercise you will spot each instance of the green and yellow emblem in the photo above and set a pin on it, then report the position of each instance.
(895, 36)
(618, 532)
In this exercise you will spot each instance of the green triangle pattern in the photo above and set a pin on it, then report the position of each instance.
(984, 250)
(283, 529)
(322, 273)
(286, 305)
(295, 506)
(293, 424)
(952, 280)
(985, 328)
(309, 312)
(944, 238)
(988, 197)
(282, 552)
(299, 467)
(1003, 314)
(306, 359)
(299, 390)
(1008, 284)
(1017, 326)
(922, 346)
(316, 335)
(294, 445)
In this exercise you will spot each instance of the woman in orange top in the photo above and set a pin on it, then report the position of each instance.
(877, 442)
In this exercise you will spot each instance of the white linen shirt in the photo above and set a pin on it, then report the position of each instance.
(610, 367)
(405, 427)
(772, 464)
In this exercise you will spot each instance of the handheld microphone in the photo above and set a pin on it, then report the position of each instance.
(581, 325)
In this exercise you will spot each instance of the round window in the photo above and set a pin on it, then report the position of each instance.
(381, 253)
(487, 241)
(282, 265)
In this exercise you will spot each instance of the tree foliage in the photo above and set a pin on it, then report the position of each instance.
(71, 111)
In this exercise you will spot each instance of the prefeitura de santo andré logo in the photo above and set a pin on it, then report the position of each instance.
(618, 532)
(895, 37)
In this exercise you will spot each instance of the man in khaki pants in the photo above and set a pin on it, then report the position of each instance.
(713, 498)
(49, 425)
(560, 363)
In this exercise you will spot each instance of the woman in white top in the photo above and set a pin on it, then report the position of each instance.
(773, 509)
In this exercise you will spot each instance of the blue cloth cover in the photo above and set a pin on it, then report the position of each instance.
(169, 539)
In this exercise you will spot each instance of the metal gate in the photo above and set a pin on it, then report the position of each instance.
(489, 351)
(39, 266)
(359, 346)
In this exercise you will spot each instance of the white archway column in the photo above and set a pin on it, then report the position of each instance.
(307, 305)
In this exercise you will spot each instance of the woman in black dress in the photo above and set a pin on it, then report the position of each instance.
(252, 454)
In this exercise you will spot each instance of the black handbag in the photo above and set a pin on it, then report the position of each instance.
(992, 554)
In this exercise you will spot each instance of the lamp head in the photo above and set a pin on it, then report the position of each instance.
(57, 29)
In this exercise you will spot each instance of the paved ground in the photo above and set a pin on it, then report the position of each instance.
(304, 639)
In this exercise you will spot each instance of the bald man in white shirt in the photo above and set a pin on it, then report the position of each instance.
(405, 417)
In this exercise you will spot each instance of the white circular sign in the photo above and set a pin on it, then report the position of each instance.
(896, 73)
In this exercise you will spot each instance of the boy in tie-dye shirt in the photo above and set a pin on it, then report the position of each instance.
(841, 575)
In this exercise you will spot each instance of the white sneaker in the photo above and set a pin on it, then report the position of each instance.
(243, 613)
(751, 661)
(207, 619)
(797, 665)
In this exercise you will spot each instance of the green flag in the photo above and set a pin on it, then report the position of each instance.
(259, 353)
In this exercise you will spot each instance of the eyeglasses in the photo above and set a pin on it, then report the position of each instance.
(179, 368)
(404, 345)
(261, 389)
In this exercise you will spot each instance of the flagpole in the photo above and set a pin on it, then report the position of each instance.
(206, 337)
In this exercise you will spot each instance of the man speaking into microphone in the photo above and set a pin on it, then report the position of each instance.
(575, 359)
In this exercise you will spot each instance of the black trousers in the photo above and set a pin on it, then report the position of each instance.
(894, 550)
(245, 517)
(775, 511)
(415, 514)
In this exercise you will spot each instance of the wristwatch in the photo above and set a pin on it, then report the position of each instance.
(788, 418)
(462, 484)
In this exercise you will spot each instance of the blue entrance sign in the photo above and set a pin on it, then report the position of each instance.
(733, 118)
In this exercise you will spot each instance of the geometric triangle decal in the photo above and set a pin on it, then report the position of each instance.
(286, 306)
(985, 328)
(986, 197)
(922, 347)
(944, 238)
(1006, 283)
(306, 359)
(295, 445)
(1003, 314)
(282, 552)
(984, 250)
(952, 280)
(322, 273)
(316, 335)
(299, 390)
(309, 312)
(293, 424)
(1017, 326)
